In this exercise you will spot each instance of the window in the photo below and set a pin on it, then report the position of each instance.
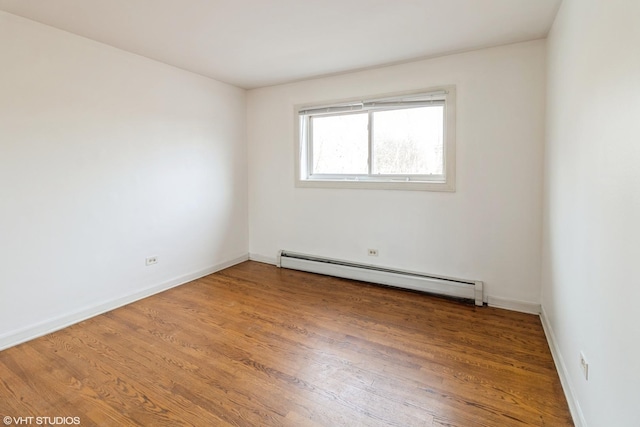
(402, 142)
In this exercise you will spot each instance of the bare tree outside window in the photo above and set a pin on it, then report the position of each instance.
(408, 141)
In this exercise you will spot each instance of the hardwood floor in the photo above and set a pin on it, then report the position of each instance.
(254, 345)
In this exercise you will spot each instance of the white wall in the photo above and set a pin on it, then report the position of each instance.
(489, 229)
(590, 285)
(107, 158)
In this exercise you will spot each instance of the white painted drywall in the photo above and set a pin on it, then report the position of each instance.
(590, 285)
(489, 229)
(107, 158)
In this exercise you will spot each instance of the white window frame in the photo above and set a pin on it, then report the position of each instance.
(444, 182)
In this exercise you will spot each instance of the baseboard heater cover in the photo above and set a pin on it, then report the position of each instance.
(459, 288)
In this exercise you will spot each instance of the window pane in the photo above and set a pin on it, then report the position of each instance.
(408, 141)
(340, 144)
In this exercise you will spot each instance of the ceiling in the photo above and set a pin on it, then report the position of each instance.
(255, 43)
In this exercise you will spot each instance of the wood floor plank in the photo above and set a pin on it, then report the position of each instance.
(258, 345)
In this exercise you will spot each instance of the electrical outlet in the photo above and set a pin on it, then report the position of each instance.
(372, 252)
(151, 260)
(585, 366)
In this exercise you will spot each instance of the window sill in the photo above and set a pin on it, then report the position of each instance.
(377, 185)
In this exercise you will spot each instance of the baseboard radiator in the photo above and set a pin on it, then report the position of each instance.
(458, 288)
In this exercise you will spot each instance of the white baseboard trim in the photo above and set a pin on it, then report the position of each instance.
(48, 326)
(574, 405)
(497, 302)
(513, 305)
(263, 259)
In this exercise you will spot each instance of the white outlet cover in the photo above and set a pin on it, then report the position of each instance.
(584, 365)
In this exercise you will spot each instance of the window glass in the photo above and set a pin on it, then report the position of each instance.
(340, 144)
(408, 141)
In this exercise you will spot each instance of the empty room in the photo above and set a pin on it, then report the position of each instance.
(319, 213)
